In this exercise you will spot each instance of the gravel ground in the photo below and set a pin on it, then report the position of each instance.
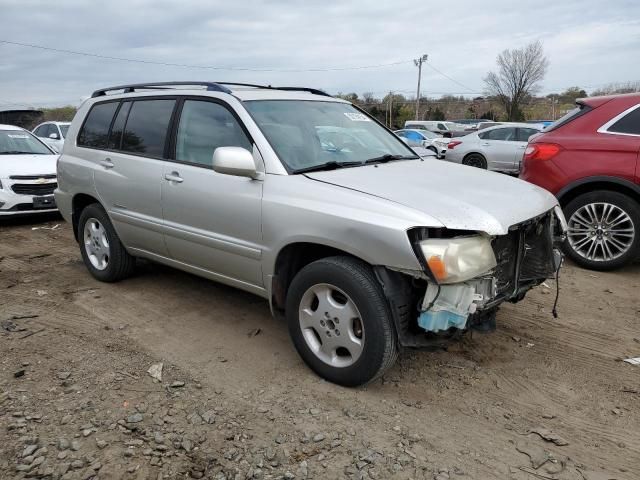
(541, 398)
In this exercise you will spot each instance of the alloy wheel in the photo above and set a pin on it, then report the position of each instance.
(331, 325)
(96, 244)
(600, 231)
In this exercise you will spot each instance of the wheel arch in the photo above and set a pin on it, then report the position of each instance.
(79, 202)
(292, 258)
(468, 154)
(586, 185)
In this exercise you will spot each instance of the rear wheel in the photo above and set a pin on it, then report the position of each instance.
(102, 252)
(475, 160)
(602, 230)
(340, 322)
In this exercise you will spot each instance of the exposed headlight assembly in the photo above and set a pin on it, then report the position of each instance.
(454, 260)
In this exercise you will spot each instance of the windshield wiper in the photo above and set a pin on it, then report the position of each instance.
(332, 165)
(15, 152)
(387, 157)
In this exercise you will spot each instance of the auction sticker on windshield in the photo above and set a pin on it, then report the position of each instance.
(357, 117)
(19, 135)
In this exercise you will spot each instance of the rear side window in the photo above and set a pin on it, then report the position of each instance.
(203, 127)
(629, 124)
(570, 116)
(525, 133)
(147, 127)
(503, 134)
(95, 131)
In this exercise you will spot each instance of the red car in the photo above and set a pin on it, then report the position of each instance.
(589, 159)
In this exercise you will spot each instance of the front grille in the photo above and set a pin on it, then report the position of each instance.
(32, 177)
(34, 188)
(524, 255)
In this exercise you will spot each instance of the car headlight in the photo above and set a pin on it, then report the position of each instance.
(454, 260)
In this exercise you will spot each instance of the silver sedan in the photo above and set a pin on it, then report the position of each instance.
(498, 148)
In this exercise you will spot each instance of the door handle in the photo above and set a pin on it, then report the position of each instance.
(107, 163)
(173, 177)
(522, 147)
(485, 144)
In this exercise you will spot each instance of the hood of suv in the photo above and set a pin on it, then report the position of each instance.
(460, 197)
(27, 165)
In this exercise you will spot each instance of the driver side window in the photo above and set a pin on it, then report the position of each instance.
(205, 126)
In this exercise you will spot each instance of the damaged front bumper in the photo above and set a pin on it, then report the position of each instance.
(525, 257)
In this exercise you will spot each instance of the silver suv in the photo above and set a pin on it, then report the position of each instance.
(307, 201)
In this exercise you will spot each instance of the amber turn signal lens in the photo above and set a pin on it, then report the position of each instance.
(437, 267)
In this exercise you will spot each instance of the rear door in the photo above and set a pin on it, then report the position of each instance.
(212, 220)
(499, 146)
(129, 167)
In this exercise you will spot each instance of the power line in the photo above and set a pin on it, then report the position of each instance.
(207, 67)
(452, 79)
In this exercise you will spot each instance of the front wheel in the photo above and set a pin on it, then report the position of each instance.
(602, 230)
(340, 322)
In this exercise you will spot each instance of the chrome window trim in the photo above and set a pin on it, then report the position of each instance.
(605, 128)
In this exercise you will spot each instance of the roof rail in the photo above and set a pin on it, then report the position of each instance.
(314, 91)
(211, 86)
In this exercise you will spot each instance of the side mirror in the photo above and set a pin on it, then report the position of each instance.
(54, 136)
(236, 161)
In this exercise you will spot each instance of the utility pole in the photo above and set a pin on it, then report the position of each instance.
(418, 64)
(391, 110)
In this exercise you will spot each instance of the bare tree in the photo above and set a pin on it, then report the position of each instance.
(519, 74)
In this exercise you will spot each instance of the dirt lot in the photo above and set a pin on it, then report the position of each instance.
(236, 401)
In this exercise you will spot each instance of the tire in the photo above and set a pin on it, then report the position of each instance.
(102, 252)
(475, 160)
(366, 332)
(433, 149)
(592, 218)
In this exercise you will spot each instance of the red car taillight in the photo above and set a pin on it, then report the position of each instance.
(453, 144)
(541, 151)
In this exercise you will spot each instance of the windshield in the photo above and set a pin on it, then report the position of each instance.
(307, 133)
(64, 129)
(17, 142)
(429, 134)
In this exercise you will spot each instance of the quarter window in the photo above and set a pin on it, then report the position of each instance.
(630, 123)
(95, 130)
(147, 126)
(203, 127)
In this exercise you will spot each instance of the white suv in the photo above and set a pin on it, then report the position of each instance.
(52, 133)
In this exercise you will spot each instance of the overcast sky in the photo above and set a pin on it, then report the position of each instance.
(589, 43)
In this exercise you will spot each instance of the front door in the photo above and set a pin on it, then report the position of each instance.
(212, 221)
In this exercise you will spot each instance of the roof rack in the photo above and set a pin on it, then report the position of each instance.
(211, 86)
(314, 91)
(130, 88)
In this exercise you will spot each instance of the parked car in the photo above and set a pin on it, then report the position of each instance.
(27, 173)
(419, 138)
(52, 133)
(471, 123)
(362, 246)
(498, 148)
(589, 160)
(446, 129)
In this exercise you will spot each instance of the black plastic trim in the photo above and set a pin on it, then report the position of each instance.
(597, 179)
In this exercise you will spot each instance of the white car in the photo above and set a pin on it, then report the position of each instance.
(419, 138)
(52, 133)
(498, 148)
(27, 173)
